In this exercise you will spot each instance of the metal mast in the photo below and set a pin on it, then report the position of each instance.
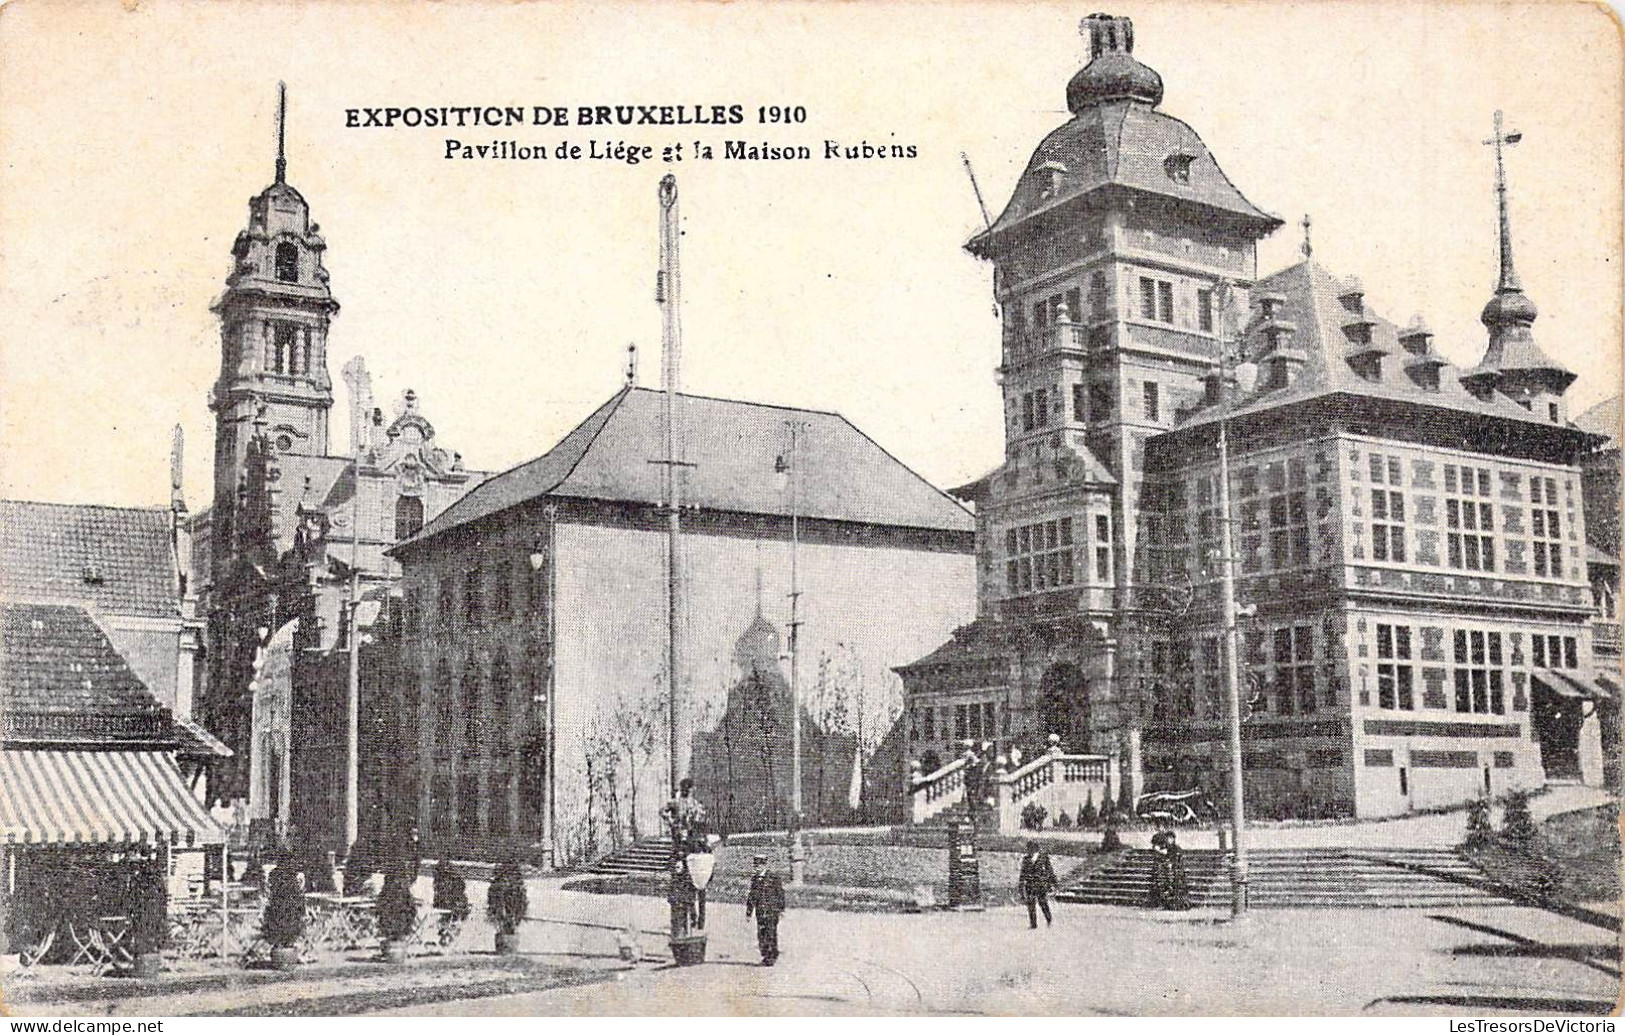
(668, 292)
(1232, 670)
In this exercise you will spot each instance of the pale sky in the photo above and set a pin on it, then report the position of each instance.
(505, 293)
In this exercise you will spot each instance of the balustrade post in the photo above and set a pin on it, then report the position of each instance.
(1004, 801)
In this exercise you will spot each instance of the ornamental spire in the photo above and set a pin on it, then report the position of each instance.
(1500, 141)
(281, 125)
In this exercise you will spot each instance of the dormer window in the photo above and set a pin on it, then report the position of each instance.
(1178, 167)
(1050, 175)
(287, 263)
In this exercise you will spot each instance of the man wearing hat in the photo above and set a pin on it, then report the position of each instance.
(766, 901)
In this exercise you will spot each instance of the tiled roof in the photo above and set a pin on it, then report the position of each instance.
(1124, 144)
(63, 681)
(1311, 303)
(1602, 419)
(54, 658)
(116, 560)
(845, 475)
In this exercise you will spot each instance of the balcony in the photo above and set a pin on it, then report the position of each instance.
(1605, 638)
(1058, 337)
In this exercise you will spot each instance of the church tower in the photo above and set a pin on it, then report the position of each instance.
(274, 316)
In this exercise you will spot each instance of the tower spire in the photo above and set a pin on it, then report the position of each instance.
(1308, 246)
(1500, 141)
(281, 128)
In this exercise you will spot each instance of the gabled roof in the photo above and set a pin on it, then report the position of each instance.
(1124, 144)
(1311, 302)
(54, 658)
(116, 560)
(733, 447)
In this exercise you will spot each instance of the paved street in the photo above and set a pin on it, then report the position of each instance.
(1100, 960)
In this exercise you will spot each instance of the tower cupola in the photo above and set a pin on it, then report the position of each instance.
(1113, 73)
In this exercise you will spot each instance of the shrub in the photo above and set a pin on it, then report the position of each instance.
(1063, 820)
(1517, 825)
(397, 909)
(507, 902)
(1087, 816)
(450, 891)
(359, 866)
(148, 908)
(285, 910)
(1479, 832)
(1111, 842)
(1033, 816)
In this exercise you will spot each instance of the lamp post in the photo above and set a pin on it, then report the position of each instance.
(542, 559)
(788, 469)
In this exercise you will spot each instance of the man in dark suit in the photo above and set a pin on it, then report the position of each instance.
(1035, 882)
(766, 902)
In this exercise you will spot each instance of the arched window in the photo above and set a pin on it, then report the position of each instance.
(408, 517)
(287, 263)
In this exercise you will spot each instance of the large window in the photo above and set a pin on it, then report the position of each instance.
(1295, 669)
(1545, 528)
(1387, 525)
(1156, 300)
(1470, 519)
(1396, 686)
(408, 517)
(1039, 557)
(1552, 651)
(1478, 673)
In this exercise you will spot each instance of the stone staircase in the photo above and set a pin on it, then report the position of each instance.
(1304, 878)
(651, 855)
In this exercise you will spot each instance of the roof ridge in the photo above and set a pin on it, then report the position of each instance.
(912, 472)
(149, 509)
(738, 402)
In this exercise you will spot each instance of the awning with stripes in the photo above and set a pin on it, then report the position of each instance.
(99, 797)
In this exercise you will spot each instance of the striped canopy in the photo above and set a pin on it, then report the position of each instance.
(99, 797)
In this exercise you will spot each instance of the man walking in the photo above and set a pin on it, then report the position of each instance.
(1035, 882)
(766, 901)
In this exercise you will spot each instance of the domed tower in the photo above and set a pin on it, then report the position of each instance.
(1513, 364)
(1107, 262)
(274, 316)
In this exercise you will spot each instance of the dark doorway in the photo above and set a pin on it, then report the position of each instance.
(1556, 720)
(1063, 706)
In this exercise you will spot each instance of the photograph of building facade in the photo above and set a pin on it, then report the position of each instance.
(884, 567)
(291, 520)
(1410, 536)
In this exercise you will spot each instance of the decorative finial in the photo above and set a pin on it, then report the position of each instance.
(1308, 245)
(281, 125)
(1500, 141)
(177, 447)
(631, 365)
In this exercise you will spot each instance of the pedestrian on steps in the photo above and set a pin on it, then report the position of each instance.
(766, 902)
(1036, 881)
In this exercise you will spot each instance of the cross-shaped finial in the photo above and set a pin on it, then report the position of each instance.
(1308, 245)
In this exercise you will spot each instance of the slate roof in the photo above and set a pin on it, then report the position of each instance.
(1312, 304)
(1120, 144)
(1604, 419)
(845, 475)
(116, 560)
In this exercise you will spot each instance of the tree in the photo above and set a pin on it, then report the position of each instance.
(632, 730)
